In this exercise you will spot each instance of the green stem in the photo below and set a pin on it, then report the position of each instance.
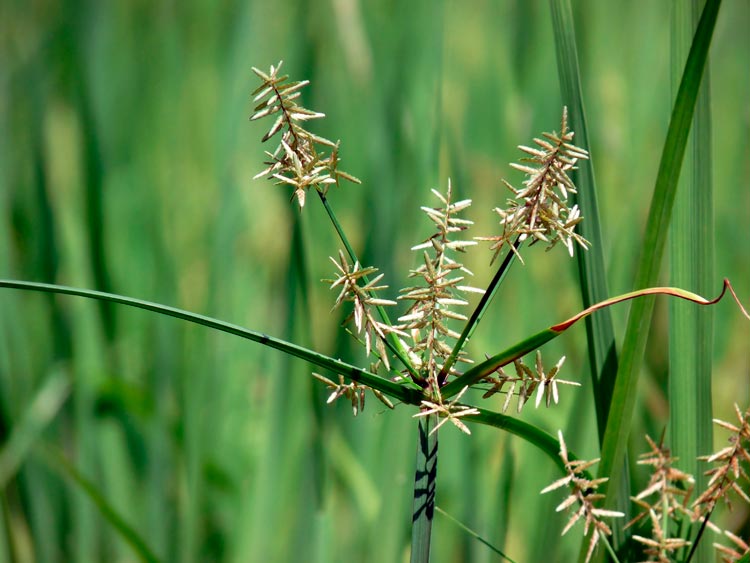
(697, 539)
(532, 434)
(393, 343)
(10, 541)
(478, 313)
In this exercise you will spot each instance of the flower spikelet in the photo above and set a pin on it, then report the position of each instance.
(731, 462)
(528, 381)
(539, 210)
(583, 493)
(448, 411)
(299, 160)
(352, 391)
(732, 554)
(363, 298)
(665, 499)
(433, 302)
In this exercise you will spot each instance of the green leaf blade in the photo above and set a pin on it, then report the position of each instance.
(618, 423)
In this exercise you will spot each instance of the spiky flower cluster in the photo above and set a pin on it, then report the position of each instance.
(451, 411)
(527, 381)
(583, 493)
(423, 338)
(299, 160)
(665, 501)
(442, 289)
(363, 299)
(352, 391)
(731, 463)
(540, 210)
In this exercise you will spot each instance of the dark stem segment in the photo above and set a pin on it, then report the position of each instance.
(481, 307)
(392, 341)
(425, 479)
(698, 536)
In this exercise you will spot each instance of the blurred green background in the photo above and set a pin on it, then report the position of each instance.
(126, 161)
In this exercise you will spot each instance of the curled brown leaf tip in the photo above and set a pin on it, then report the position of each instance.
(673, 291)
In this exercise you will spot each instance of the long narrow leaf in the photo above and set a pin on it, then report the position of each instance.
(532, 434)
(691, 256)
(473, 534)
(591, 271)
(540, 338)
(399, 392)
(623, 401)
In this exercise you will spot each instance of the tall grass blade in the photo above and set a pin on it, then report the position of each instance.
(623, 400)
(691, 266)
(591, 271)
(45, 259)
(600, 335)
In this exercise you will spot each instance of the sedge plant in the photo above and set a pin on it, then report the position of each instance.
(417, 356)
(427, 338)
(415, 343)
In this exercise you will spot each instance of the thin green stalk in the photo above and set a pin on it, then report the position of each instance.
(399, 392)
(610, 549)
(472, 533)
(532, 434)
(697, 539)
(626, 384)
(478, 312)
(393, 343)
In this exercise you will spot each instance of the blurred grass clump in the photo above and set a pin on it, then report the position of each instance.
(125, 166)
